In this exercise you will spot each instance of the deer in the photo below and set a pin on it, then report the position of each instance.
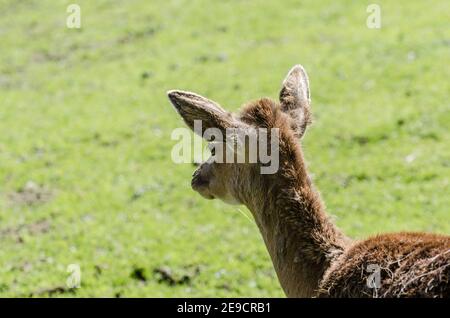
(310, 255)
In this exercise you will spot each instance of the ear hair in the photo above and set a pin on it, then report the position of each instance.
(192, 107)
(295, 99)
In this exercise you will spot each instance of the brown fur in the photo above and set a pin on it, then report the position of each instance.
(412, 265)
(311, 257)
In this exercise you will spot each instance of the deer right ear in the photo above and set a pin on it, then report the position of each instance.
(295, 99)
(192, 107)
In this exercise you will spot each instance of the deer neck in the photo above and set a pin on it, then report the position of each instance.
(300, 238)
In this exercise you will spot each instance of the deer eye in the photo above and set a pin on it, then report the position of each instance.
(212, 149)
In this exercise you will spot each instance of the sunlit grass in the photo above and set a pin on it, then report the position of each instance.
(84, 116)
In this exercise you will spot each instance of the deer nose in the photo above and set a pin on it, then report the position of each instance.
(198, 181)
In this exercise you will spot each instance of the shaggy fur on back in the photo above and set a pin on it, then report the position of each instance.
(411, 265)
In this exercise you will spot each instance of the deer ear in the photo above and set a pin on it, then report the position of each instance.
(193, 107)
(295, 99)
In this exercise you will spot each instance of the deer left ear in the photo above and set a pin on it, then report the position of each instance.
(295, 99)
(193, 107)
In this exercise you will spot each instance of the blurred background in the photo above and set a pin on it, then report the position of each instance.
(86, 176)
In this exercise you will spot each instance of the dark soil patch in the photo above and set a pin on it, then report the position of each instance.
(171, 277)
(36, 228)
(139, 273)
(52, 291)
(31, 194)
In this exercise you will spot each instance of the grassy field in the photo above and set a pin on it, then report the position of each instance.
(86, 175)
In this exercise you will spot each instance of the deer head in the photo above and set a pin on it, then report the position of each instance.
(234, 181)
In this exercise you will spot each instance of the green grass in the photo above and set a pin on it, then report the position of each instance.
(84, 115)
